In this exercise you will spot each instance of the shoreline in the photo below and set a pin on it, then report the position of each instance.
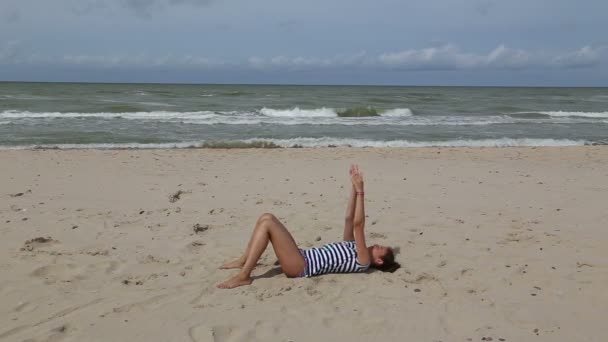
(270, 144)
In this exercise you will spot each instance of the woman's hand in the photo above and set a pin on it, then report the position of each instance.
(356, 177)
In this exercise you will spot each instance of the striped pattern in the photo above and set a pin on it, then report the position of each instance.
(337, 257)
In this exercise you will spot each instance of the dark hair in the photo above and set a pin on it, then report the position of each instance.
(388, 262)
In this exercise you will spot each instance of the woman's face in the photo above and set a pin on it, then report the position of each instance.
(378, 254)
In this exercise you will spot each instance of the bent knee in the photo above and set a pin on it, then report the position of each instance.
(267, 217)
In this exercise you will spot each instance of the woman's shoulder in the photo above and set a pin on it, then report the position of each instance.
(340, 244)
(346, 243)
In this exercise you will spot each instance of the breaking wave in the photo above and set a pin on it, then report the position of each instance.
(316, 143)
(561, 114)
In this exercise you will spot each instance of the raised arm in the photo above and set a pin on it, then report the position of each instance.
(350, 212)
(359, 219)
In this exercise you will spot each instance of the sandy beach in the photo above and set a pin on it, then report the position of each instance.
(497, 244)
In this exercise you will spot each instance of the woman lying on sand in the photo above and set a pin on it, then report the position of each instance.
(350, 255)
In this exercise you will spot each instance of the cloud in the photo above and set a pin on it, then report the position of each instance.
(353, 60)
(144, 8)
(9, 52)
(449, 57)
(136, 62)
(584, 57)
(445, 57)
(9, 14)
(484, 7)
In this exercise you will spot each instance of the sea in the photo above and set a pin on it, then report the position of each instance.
(144, 116)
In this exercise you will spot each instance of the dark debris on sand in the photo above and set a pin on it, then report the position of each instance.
(200, 228)
(177, 195)
(19, 194)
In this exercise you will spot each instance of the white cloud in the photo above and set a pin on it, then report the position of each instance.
(139, 61)
(585, 56)
(449, 57)
(359, 59)
(445, 57)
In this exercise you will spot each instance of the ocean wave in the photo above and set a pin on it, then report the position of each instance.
(357, 112)
(296, 112)
(158, 104)
(293, 117)
(560, 114)
(502, 142)
(579, 114)
(325, 121)
(26, 97)
(162, 115)
(318, 143)
(235, 93)
(397, 112)
(598, 98)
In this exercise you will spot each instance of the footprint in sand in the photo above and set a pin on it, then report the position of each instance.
(194, 246)
(38, 242)
(25, 307)
(57, 334)
(201, 333)
(60, 273)
(218, 333)
(112, 267)
(68, 273)
(375, 235)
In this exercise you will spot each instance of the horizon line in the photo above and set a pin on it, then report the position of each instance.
(304, 84)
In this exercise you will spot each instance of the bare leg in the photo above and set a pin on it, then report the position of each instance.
(238, 263)
(268, 229)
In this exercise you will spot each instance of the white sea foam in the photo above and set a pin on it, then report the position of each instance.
(297, 112)
(325, 142)
(579, 114)
(159, 104)
(106, 146)
(502, 142)
(397, 112)
(324, 116)
(365, 121)
(598, 98)
(156, 115)
(26, 97)
(4, 122)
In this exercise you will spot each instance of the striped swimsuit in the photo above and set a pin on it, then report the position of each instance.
(337, 257)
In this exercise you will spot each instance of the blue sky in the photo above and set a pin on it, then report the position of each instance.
(432, 42)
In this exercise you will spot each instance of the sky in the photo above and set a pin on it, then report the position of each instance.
(377, 42)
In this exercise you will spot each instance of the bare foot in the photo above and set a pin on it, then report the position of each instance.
(238, 263)
(235, 281)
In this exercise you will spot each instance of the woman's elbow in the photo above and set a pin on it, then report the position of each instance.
(359, 225)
